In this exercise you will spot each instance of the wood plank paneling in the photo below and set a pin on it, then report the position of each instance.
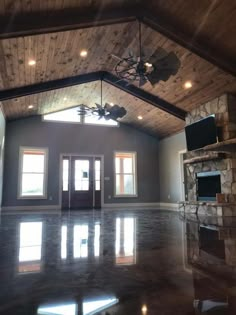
(57, 56)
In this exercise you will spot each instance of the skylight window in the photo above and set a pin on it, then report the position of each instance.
(71, 116)
(68, 115)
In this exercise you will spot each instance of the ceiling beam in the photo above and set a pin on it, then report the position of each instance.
(90, 77)
(144, 96)
(49, 85)
(203, 50)
(34, 23)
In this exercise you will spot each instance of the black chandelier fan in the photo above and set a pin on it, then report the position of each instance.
(142, 69)
(107, 111)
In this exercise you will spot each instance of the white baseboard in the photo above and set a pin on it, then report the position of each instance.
(124, 206)
(28, 208)
(168, 206)
(117, 206)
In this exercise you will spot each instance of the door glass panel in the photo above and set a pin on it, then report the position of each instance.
(80, 241)
(65, 175)
(82, 175)
(97, 175)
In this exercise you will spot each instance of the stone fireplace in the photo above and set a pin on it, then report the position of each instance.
(210, 175)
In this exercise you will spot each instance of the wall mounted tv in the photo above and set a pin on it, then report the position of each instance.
(201, 133)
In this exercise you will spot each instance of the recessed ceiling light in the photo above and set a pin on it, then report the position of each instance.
(144, 309)
(64, 99)
(112, 104)
(147, 64)
(31, 106)
(140, 117)
(32, 62)
(188, 85)
(83, 53)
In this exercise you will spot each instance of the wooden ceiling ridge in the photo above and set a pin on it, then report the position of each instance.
(34, 23)
(90, 77)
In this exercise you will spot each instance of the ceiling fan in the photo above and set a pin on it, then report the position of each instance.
(107, 111)
(159, 66)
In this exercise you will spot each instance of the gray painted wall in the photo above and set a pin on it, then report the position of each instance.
(170, 170)
(81, 139)
(2, 138)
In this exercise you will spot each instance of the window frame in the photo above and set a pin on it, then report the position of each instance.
(20, 173)
(135, 195)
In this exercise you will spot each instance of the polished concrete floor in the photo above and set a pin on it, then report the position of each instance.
(116, 263)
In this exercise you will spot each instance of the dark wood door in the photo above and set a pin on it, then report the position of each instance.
(81, 182)
(81, 194)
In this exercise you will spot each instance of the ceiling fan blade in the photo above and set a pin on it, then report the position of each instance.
(164, 68)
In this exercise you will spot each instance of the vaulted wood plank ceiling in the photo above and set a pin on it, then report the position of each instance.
(57, 56)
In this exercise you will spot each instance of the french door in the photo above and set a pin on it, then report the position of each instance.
(81, 182)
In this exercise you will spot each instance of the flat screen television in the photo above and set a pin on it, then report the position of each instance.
(201, 133)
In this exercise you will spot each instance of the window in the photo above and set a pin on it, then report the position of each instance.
(125, 174)
(30, 248)
(71, 116)
(33, 173)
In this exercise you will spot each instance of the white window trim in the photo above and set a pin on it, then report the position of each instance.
(21, 151)
(135, 175)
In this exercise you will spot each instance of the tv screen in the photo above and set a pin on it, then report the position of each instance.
(201, 133)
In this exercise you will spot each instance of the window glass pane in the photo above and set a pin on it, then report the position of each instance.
(64, 242)
(117, 164)
(128, 184)
(32, 184)
(82, 175)
(33, 163)
(96, 121)
(68, 115)
(80, 241)
(65, 175)
(97, 185)
(97, 165)
(118, 186)
(127, 165)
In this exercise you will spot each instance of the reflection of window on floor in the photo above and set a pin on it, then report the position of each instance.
(63, 242)
(30, 249)
(125, 241)
(95, 306)
(62, 309)
(80, 241)
(97, 239)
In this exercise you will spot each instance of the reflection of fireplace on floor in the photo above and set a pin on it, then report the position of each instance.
(210, 243)
(208, 185)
